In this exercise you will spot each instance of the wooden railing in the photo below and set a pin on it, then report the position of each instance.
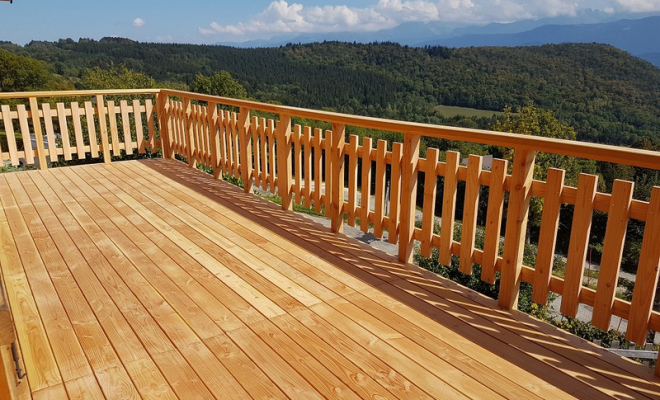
(313, 167)
(61, 128)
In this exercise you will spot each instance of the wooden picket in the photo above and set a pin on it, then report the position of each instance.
(493, 220)
(577, 251)
(647, 274)
(615, 236)
(448, 207)
(548, 236)
(352, 151)
(395, 192)
(430, 190)
(307, 142)
(365, 193)
(470, 210)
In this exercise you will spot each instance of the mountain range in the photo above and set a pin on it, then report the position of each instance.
(637, 34)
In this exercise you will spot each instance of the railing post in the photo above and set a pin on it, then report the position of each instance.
(38, 134)
(337, 204)
(246, 148)
(410, 163)
(163, 125)
(284, 157)
(516, 227)
(100, 106)
(187, 108)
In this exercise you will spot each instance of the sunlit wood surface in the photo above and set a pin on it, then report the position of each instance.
(147, 279)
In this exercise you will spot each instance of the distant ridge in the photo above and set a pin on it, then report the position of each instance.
(638, 37)
(638, 34)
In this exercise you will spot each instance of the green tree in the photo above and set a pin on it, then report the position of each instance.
(115, 77)
(219, 84)
(531, 120)
(20, 73)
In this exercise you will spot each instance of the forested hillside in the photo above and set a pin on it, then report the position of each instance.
(606, 94)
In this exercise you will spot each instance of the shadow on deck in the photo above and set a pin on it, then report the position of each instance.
(149, 279)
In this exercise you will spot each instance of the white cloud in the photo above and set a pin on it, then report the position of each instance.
(138, 22)
(282, 17)
(640, 5)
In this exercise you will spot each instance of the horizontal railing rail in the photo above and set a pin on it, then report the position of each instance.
(325, 170)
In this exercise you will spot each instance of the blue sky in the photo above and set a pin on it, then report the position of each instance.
(208, 21)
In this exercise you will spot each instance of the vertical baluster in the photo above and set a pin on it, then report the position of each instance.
(448, 207)
(11, 136)
(395, 192)
(317, 169)
(91, 130)
(516, 227)
(214, 140)
(139, 132)
(548, 235)
(430, 190)
(647, 274)
(337, 156)
(615, 237)
(270, 133)
(264, 153)
(577, 250)
(352, 178)
(470, 209)
(493, 220)
(38, 134)
(297, 160)
(327, 184)
(77, 129)
(25, 133)
(100, 105)
(126, 127)
(379, 198)
(253, 132)
(164, 126)
(188, 132)
(308, 166)
(114, 133)
(284, 161)
(366, 184)
(246, 148)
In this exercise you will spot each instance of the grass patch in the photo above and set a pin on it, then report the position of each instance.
(453, 111)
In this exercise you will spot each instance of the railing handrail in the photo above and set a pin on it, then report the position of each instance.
(76, 93)
(601, 152)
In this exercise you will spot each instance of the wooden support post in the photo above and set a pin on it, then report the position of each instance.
(516, 227)
(100, 106)
(284, 157)
(188, 133)
(410, 163)
(246, 148)
(337, 203)
(164, 126)
(38, 134)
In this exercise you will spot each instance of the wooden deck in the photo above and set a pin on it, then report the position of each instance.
(147, 279)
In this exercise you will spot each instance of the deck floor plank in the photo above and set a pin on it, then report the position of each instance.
(170, 284)
(614, 367)
(69, 356)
